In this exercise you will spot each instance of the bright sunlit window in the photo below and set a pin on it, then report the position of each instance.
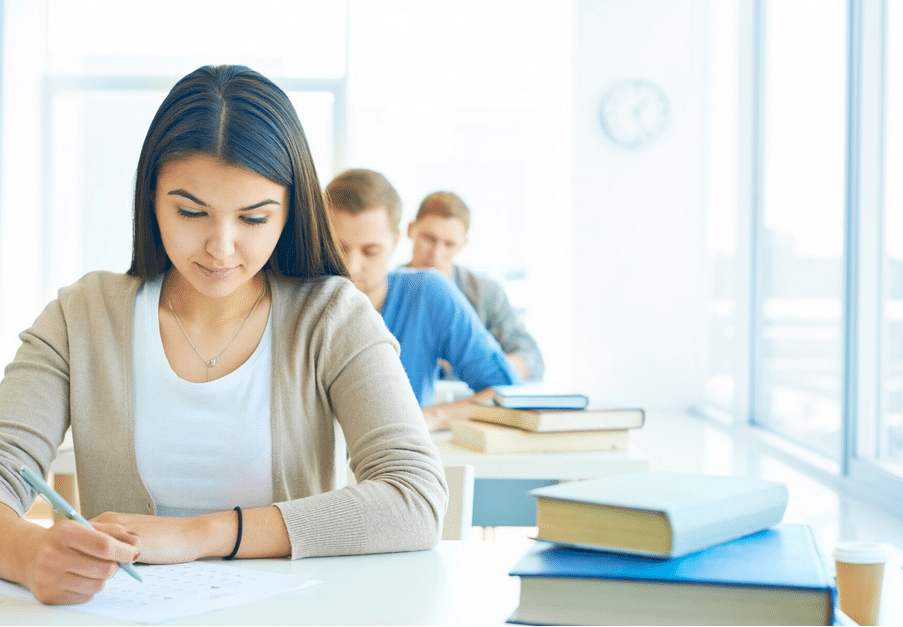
(799, 365)
(888, 446)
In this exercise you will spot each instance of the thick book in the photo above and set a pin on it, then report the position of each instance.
(536, 396)
(773, 577)
(659, 513)
(488, 438)
(547, 420)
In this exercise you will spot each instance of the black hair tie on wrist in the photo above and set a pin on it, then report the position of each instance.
(238, 539)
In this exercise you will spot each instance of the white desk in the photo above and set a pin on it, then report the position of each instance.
(458, 583)
(503, 480)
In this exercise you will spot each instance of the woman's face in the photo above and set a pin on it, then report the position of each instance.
(219, 223)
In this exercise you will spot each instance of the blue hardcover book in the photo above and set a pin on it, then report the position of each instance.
(536, 396)
(773, 577)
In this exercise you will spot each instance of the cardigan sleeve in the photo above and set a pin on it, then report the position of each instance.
(34, 405)
(401, 495)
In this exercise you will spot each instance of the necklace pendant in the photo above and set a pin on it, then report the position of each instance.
(212, 362)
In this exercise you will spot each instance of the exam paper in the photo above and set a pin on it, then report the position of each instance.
(174, 591)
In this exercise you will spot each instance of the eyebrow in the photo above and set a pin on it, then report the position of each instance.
(196, 200)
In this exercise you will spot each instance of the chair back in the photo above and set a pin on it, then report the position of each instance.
(459, 516)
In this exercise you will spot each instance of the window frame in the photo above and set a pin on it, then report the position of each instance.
(865, 216)
(854, 473)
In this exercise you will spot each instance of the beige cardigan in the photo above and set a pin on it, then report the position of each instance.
(335, 370)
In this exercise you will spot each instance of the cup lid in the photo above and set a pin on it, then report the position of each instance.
(860, 552)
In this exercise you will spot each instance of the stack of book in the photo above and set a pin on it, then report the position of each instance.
(530, 419)
(665, 548)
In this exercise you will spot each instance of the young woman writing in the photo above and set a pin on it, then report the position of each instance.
(217, 391)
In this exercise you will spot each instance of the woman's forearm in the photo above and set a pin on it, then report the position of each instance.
(263, 533)
(164, 540)
(14, 539)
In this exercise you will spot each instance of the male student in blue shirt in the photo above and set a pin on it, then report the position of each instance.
(428, 315)
(439, 233)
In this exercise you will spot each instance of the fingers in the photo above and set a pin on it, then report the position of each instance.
(65, 588)
(73, 563)
(106, 542)
(128, 540)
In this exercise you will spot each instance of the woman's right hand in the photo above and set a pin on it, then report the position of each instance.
(69, 563)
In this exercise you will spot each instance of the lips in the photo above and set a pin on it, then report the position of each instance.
(216, 274)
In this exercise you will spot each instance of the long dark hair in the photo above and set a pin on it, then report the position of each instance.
(241, 118)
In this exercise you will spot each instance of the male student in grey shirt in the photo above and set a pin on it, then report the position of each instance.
(439, 233)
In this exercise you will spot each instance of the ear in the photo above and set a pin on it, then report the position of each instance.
(397, 237)
(411, 230)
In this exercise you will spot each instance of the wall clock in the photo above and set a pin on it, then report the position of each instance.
(634, 113)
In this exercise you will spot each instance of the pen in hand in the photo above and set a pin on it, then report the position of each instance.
(59, 504)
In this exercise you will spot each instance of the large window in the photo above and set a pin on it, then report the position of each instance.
(818, 353)
(800, 248)
(887, 446)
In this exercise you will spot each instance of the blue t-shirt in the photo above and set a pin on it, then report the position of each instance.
(432, 319)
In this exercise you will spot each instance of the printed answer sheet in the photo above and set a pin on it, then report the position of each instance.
(178, 590)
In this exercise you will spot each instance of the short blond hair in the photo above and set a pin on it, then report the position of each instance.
(445, 205)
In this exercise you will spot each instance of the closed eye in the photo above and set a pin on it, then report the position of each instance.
(256, 219)
(188, 213)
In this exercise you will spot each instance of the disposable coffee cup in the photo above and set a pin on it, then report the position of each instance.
(860, 574)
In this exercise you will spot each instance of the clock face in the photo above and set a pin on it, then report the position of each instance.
(634, 113)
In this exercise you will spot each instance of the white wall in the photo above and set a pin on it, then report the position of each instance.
(639, 215)
(618, 295)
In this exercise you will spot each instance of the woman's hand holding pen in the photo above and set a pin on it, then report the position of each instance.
(69, 563)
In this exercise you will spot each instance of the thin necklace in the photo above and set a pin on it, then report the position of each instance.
(212, 362)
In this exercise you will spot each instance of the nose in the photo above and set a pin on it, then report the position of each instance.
(355, 264)
(221, 242)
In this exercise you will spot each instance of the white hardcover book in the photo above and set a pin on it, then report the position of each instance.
(658, 513)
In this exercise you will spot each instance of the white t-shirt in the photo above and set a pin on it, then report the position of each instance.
(201, 447)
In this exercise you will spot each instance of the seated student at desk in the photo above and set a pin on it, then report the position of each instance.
(231, 367)
(430, 317)
(439, 233)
